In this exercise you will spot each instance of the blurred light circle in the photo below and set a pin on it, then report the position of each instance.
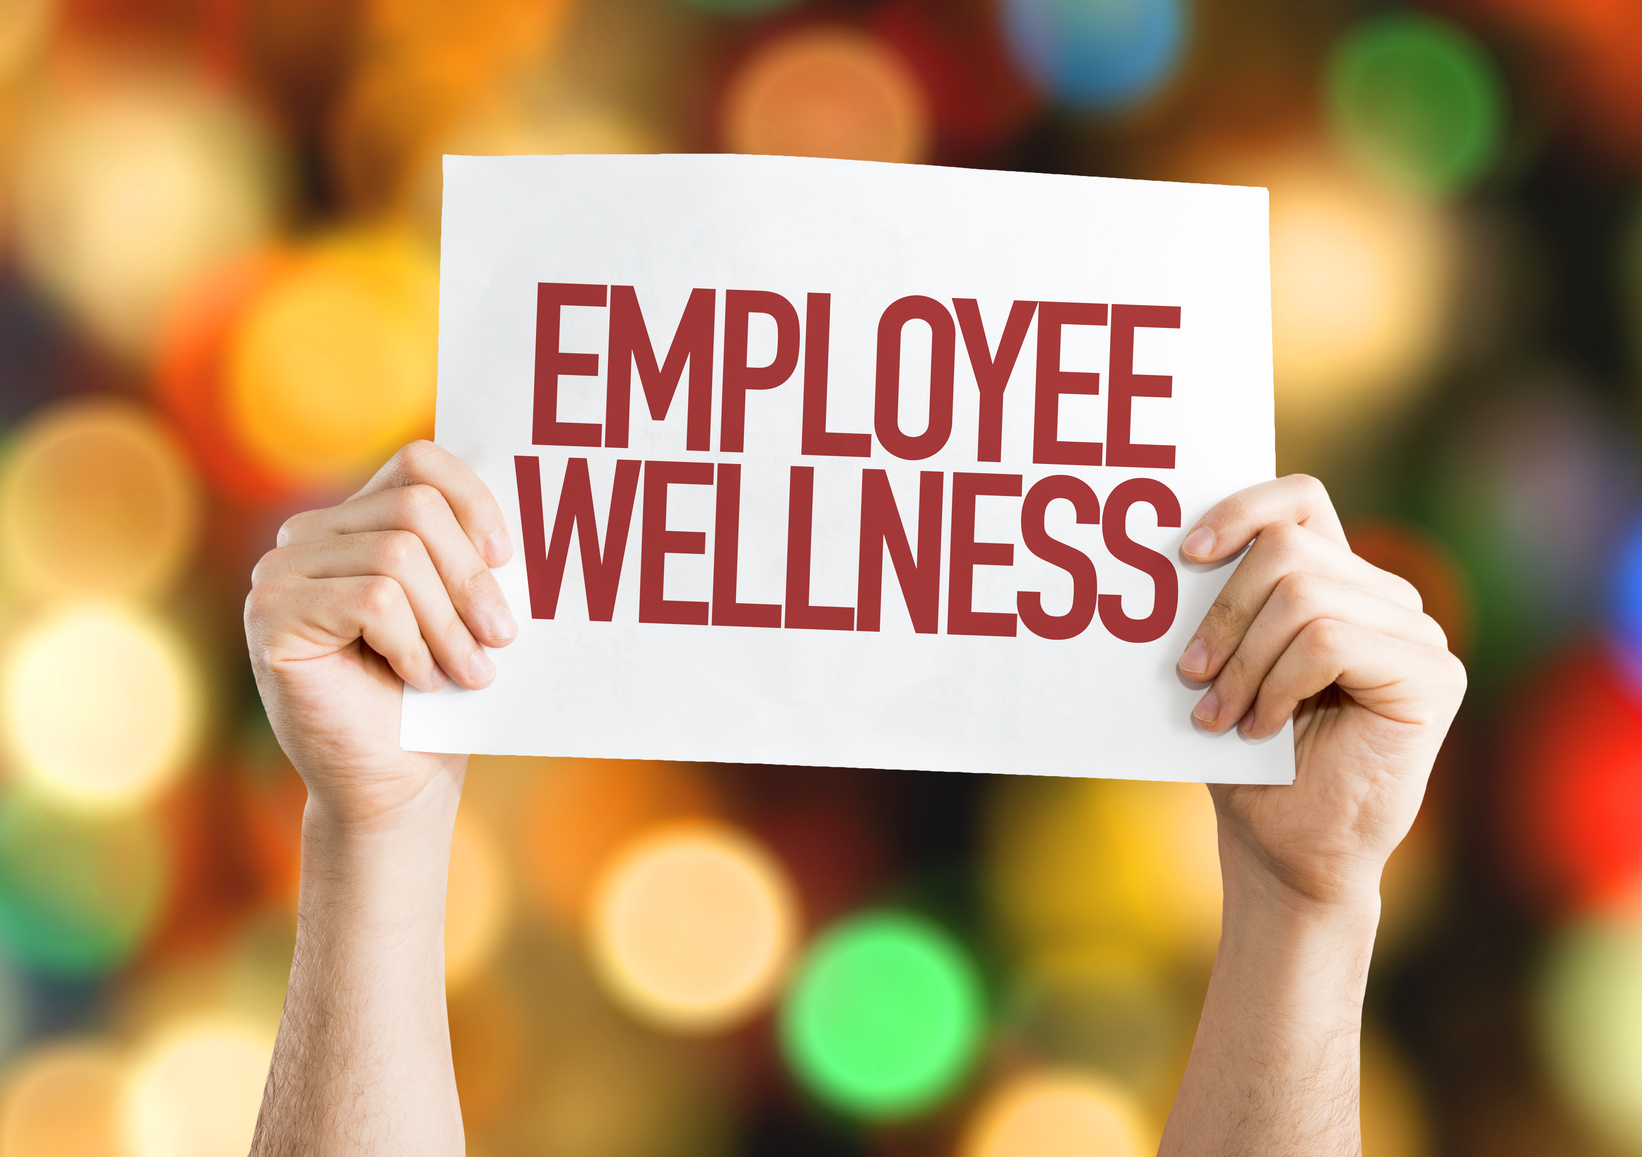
(1589, 1006)
(78, 895)
(1573, 799)
(99, 705)
(192, 365)
(1417, 101)
(477, 901)
(1152, 846)
(827, 92)
(884, 1016)
(194, 1090)
(23, 28)
(129, 188)
(60, 1099)
(1361, 289)
(1625, 595)
(1058, 1114)
(332, 365)
(1427, 563)
(693, 926)
(582, 810)
(1097, 54)
(509, 126)
(95, 499)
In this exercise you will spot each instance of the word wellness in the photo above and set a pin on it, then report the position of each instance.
(918, 566)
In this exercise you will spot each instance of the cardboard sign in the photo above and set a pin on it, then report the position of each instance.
(847, 464)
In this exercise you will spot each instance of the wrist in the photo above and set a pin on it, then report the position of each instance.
(378, 870)
(1291, 951)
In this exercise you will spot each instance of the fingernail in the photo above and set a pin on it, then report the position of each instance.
(1199, 542)
(1246, 722)
(1208, 707)
(497, 548)
(1196, 657)
(502, 623)
(480, 666)
(439, 677)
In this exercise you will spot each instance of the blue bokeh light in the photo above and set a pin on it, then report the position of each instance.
(1625, 596)
(1100, 55)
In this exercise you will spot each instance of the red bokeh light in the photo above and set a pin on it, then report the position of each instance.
(1572, 831)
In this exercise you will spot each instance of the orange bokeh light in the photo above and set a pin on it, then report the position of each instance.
(827, 92)
(1425, 562)
(96, 499)
(61, 1099)
(582, 809)
(692, 926)
(1059, 1114)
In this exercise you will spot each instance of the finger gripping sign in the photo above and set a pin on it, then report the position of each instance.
(850, 464)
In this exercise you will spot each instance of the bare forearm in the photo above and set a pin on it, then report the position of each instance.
(362, 1063)
(1275, 1067)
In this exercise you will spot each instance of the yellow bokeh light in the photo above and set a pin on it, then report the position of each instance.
(96, 499)
(692, 926)
(131, 187)
(1059, 1114)
(478, 901)
(60, 1099)
(1360, 287)
(23, 28)
(99, 705)
(333, 365)
(195, 1089)
(506, 125)
(1076, 862)
(827, 92)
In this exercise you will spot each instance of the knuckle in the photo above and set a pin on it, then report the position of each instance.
(1408, 592)
(1297, 593)
(422, 501)
(417, 458)
(291, 529)
(1235, 674)
(1283, 538)
(1327, 637)
(1310, 488)
(397, 548)
(476, 586)
(1455, 674)
(456, 637)
(380, 596)
(1221, 615)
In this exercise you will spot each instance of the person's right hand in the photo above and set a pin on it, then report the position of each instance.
(391, 587)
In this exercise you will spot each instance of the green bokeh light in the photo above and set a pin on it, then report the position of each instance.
(1590, 1021)
(78, 895)
(884, 1017)
(1418, 102)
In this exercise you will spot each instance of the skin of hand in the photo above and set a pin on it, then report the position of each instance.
(1305, 630)
(392, 587)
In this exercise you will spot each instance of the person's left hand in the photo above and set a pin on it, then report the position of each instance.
(1305, 628)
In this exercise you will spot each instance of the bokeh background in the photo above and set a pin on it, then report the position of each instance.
(218, 290)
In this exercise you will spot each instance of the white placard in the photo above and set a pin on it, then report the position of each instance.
(869, 528)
